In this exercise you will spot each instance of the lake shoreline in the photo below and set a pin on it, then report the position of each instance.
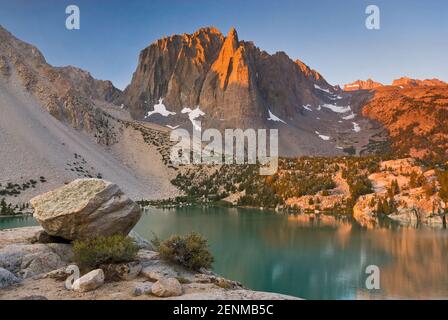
(20, 243)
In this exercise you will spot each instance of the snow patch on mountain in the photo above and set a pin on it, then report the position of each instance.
(356, 127)
(350, 116)
(160, 109)
(321, 89)
(323, 137)
(274, 118)
(193, 115)
(337, 109)
(307, 107)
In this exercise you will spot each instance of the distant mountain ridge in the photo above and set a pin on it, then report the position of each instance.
(369, 84)
(362, 85)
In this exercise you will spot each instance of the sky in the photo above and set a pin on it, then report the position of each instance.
(328, 35)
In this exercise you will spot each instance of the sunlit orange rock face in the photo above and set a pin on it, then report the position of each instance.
(362, 85)
(228, 78)
(408, 82)
(415, 117)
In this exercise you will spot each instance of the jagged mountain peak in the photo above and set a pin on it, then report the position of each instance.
(233, 35)
(237, 85)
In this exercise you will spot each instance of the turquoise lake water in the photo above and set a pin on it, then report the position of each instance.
(309, 258)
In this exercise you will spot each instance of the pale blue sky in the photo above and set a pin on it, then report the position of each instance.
(328, 35)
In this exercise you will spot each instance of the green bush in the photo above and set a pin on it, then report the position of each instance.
(103, 250)
(190, 251)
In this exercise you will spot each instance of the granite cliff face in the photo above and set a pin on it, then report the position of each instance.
(237, 85)
(228, 78)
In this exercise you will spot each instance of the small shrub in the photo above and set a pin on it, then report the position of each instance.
(104, 250)
(190, 251)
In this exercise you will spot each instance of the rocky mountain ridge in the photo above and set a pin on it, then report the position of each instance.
(67, 93)
(59, 124)
(403, 82)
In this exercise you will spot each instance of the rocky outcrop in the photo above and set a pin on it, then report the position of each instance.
(410, 205)
(22, 256)
(84, 209)
(364, 213)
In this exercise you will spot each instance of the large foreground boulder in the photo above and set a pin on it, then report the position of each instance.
(84, 209)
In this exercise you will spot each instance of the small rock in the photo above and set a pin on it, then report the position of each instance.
(122, 271)
(91, 281)
(164, 288)
(37, 264)
(142, 288)
(58, 275)
(7, 278)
